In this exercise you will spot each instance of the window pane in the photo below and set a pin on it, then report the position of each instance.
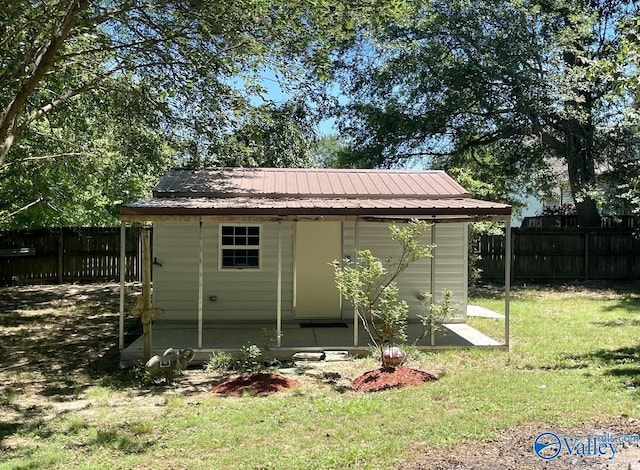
(227, 259)
(253, 258)
(234, 251)
(241, 258)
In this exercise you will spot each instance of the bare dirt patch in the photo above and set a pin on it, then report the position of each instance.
(391, 377)
(57, 331)
(513, 450)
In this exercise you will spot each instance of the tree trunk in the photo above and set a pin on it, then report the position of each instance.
(581, 169)
(587, 213)
(39, 67)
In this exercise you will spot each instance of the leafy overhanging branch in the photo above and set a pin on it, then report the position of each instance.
(41, 64)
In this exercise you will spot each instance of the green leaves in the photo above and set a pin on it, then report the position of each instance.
(103, 94)
(369, 283)
(508, 86)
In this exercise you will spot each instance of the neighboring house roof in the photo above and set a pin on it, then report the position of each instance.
(311, 192)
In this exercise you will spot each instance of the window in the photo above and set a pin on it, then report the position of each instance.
(240, 247)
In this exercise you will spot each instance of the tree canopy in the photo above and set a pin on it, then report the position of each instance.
(128, 87)
(98, 98)
(506, 87)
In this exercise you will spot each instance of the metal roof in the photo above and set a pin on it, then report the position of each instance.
(308, 182)
(282, 193)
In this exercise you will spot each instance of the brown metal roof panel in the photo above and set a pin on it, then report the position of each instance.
(325, 182)
(401, 184)
(314, 183)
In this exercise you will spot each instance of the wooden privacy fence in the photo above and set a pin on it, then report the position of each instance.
(70, 254)
(561, 253)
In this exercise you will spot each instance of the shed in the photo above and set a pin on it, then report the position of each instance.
(238, 252)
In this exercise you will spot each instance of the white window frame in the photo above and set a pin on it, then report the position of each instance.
(222, 247)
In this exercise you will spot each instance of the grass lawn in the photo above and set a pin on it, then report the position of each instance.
(573, 359)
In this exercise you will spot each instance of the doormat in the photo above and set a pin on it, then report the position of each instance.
(324, 325)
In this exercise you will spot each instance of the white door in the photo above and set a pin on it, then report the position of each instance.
(316, 294)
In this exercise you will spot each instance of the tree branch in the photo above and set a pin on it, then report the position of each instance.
(42, 64)
(24, 208)
(48, 157)
(63, 99)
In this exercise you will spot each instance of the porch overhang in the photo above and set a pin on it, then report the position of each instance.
(357, 345)
(201, 209)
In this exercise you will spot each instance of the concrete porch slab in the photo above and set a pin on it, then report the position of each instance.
(470, 334)
(231, 338)
(478, 311)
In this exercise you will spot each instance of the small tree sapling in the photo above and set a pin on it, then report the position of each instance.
(369, 283)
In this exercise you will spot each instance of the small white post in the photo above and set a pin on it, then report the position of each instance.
(507, 278)
(279, 292)
(123, 269)
(356, 318)
(432, 265)
(200, 284)
(147, 327)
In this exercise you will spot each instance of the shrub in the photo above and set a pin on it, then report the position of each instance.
(249, 360)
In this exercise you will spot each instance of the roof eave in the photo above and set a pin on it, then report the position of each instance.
(129, 213)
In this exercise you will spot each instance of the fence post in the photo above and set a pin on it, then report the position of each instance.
(61, 256)
(139, 263)
(586, 256)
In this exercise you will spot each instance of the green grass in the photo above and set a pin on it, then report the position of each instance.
(574, 359)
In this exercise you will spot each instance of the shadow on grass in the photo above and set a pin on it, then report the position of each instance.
(121, 440)
(621, 363)
(630, 303)
(55, 341)
(620, 322)
(628, 289)
(35, 298)
(54, 333)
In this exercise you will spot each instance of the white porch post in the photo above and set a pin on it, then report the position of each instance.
(432, 274)
(200, 284)
(123, 269)
(507, 278)
(279, 287)
(356, 318)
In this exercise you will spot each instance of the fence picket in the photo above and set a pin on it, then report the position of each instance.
(69, 254)
(562, 254)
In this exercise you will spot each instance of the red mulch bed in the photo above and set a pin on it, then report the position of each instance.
(254, 384)
(382, 379)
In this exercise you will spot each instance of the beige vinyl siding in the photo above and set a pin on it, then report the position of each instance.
(250, 295)
(450, 263)
(175, 283)
(241, 294)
